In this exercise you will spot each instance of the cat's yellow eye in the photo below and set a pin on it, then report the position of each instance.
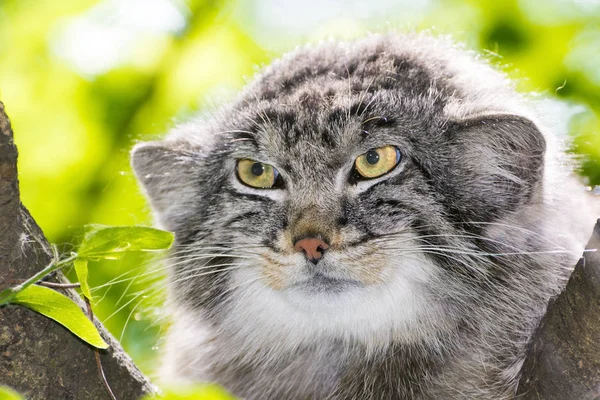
(377, 162)
(256, 174)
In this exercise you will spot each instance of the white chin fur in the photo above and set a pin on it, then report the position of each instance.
(400, 309)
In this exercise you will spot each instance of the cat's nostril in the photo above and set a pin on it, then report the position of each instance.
(313, 248)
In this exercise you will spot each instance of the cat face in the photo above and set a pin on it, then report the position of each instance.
(337, 196)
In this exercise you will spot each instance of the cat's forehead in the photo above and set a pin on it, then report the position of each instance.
(325, 96)
(351, 69)
(331, 101)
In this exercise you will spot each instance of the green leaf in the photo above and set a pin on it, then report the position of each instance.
(115, 241)
(9, 394)
(81, 269)
(192, 392)
(63, 310)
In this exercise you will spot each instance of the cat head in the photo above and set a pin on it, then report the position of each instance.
(336, 195)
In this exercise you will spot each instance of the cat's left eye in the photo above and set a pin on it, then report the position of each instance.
(377, 162)
(256, 174)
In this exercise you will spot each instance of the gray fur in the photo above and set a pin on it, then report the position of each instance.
(453, 255)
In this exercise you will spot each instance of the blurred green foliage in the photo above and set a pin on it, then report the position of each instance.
(83, 80)
(191, 392)
(9, 394)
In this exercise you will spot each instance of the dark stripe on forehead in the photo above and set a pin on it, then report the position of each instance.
(377, 122)
(327, 138)
(277, 115)
(360, 106)
(299, 76)
(286, 119)
(243, 137)
(337, 115)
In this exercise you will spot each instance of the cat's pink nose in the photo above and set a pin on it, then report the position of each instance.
(313, 248)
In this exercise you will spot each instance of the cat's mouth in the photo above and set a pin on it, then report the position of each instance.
(319, 282)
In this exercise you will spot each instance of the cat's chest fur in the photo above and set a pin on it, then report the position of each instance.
(334, 370)
(385, 218)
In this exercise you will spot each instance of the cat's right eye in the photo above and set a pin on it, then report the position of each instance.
(256, 174)
(377, 162)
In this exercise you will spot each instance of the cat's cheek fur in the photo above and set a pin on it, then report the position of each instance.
(185, 353)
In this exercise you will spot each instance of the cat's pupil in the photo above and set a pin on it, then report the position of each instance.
(257, 169)
(372, 157)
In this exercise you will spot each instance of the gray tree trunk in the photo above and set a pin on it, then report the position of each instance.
(38, 357)
(563, 361)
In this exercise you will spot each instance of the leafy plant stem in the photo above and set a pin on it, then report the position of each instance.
(7, 295)
(52, 285)
(59, 285)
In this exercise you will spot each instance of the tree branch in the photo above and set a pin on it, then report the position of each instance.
(563, 361)
(38, 357)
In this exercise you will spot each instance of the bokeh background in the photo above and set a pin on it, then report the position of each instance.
(83, 80)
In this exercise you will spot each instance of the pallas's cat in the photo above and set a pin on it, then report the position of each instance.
(379, 219)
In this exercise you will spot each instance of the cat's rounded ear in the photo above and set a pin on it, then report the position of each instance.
(166, 171)
(495, 166)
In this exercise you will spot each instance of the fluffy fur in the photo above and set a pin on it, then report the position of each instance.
(437, 272)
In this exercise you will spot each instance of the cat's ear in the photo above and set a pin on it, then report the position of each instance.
(496, 164)
(166, 171)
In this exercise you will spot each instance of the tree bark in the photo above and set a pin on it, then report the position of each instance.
(563, 361)
(38, 357)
